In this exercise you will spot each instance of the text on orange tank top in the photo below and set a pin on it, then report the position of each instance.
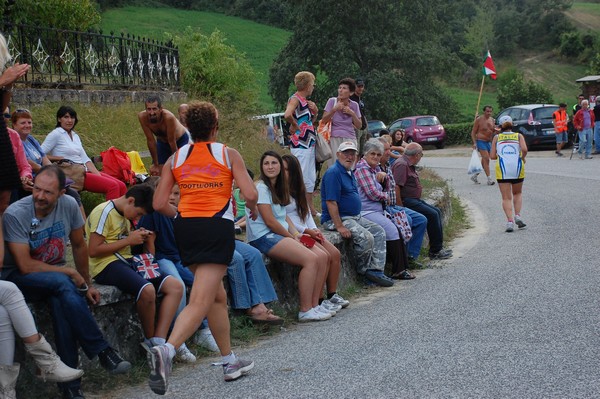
(203, 173)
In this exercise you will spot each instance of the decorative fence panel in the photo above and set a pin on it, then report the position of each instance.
(68, 59)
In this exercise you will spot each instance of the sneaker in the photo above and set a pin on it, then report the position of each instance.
(112, 362)
(73, 393)
(327, 304)
(474, 178)
(559, 154)
(238, 229)
(205, 339)
(338, 300)
(324, 310)
(441, 254)
(184, 355)
(233, 371)
(161, 369)
(510, 227)
(490, 181)
(589, 157)
(519, 222)
(312, 315)
(379, 278)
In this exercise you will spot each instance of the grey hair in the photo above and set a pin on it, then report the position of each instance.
(412, 150)
(373, 144)
(585, 101)
(5, 56)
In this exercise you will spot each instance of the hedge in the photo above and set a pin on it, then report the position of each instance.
(458, 133)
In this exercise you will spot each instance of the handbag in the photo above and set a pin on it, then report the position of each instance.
(74, 171)
(322, 148)
(398, 217)
(144, 264)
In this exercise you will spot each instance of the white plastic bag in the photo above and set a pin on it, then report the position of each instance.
(474, 164)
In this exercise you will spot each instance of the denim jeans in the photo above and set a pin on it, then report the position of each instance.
(183, 274)
(435, 229)
(71, 317)
(597, 136)
(248, 278)
(585, 141)
(418, 225)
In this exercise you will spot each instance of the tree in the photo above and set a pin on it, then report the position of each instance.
(381, 41)
(78, 15)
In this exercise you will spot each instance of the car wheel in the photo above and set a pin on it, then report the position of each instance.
(439, 145)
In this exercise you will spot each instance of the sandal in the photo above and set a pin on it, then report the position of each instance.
(267, 317)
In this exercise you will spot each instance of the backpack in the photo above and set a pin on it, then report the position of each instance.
(117, 164)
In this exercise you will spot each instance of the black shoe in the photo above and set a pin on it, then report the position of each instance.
(112, 362)
(379, 278)
(403, 275)
(73, 393)
(441, 254)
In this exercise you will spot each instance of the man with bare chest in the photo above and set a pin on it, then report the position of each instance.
(482, 135)
(169, 132)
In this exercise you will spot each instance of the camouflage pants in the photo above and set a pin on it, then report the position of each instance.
(368, 242)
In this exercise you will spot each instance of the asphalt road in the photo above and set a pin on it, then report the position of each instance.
(512, 315)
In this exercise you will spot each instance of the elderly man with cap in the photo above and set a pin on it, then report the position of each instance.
(341, 206)
(406, 177)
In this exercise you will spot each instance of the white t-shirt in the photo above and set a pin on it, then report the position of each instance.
(301, 225)
(255, 229)
(58, 143)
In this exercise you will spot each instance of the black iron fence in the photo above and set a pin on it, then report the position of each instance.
(63, 58)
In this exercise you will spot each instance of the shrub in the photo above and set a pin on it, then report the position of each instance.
(63, 14)
(458, 133)
(512, 90)
(571, 44)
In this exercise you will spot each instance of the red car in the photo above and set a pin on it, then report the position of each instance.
(422, 129)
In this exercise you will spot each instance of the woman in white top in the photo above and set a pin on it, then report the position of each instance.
(299, 213)
(64, 144)
(273, 234)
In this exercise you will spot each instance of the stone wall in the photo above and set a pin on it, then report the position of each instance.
(117, 318)
(28, 96)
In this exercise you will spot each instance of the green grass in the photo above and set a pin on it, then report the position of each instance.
(261, 43)
(467, 101)
(585, 15)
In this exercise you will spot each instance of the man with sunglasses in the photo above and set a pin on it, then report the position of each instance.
(36, 229)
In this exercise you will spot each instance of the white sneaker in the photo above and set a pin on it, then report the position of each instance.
(205, 339)
(323, 309)
(490, 181)
(338, 300)
(519, 222)
(510, 227)
(327, 304)
(474, 178)
(184, 355)
(312, 315)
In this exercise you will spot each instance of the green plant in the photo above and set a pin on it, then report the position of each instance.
(64, 14)
(513, 90)
(458, 133)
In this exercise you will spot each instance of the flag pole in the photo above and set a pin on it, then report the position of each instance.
(479, 99)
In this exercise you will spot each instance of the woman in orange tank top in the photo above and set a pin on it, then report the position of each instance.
(205, 236)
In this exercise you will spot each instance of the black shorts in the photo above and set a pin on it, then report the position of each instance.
(122, 276)
(204, 240)
(511, 181)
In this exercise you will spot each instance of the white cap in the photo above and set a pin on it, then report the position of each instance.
(504, 119)
(347, 145)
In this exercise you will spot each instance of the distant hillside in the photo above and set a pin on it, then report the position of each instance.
(261, 43)
(585, 15)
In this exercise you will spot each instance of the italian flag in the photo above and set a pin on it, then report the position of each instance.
(488, 66)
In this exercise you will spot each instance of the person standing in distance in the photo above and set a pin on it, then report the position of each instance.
(482, 133)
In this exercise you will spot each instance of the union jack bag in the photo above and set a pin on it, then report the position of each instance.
(146, 266)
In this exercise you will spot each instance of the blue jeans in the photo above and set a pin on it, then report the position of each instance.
(585, 141)
(185, 276)
(71, 317)
(597, 136)
(418, 225)
(248, 278)
(435, 228)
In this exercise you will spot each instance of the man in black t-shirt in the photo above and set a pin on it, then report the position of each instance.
(361, 134)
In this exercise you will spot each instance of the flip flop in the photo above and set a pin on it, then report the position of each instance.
(267, 317)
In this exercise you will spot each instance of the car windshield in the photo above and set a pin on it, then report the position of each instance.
(428, 121)
(543, 113)
(376, 125)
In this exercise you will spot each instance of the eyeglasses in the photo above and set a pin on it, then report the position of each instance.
(35, 223)
(6, 116)
(23, 110)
